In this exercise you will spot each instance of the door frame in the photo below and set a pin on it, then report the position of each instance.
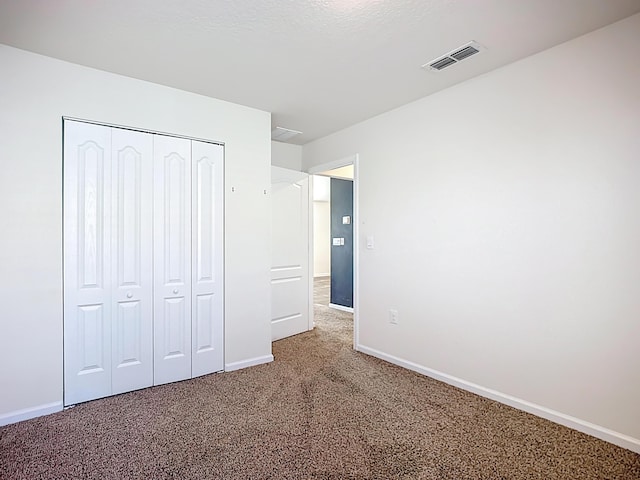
(342, 162)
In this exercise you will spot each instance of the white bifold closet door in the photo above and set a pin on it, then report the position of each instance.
(172, 243)
(207, 272)
(143, 260)
(188, 266)
(108, 261)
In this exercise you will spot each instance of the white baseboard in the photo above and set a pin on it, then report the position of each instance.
(27, 413)
(341, 307)
(250, 362)
(597, 431)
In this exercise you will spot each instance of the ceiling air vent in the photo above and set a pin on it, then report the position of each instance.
(454, 56)
(465, 52)
(442, 63)
(283, 134)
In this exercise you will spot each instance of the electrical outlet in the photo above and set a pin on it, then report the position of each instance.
(393, 316)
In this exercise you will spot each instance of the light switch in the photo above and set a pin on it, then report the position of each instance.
(346, 220)
(336, 242)
(370, 242)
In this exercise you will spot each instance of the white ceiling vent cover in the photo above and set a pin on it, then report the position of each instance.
(454, 56)
(283, 134)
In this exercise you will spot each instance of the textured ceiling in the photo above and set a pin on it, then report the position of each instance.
(317, 65)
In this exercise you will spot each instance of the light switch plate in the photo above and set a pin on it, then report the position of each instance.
(346, 220)
(370, 242)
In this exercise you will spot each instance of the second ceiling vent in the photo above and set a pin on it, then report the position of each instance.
(454, 56)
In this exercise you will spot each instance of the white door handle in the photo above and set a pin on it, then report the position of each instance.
(129, 294)
(175, 291)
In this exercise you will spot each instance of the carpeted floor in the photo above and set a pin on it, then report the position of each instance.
(320, 411)
(322, 291)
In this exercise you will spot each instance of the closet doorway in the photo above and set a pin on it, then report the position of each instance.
(143, 259)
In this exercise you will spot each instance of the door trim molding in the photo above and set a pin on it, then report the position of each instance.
(343, 162)
(137, 129)
(310, 258)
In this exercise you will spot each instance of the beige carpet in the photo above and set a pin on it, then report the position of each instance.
(320, 411)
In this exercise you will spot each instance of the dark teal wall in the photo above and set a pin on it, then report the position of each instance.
(342, 256)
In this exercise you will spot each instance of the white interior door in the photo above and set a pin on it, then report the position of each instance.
(87, 262)
(207, 258)
(290, 296)
(172, 259)
(132, 257)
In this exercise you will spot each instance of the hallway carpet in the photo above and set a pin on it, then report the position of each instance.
(320, 411)
(322, 291)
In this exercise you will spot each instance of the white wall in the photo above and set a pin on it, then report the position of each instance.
(35, 92)
(321, 226)
(321, 188)
(321, 239)
(506, 217)
(286, 155)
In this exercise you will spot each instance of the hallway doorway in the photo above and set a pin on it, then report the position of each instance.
(333, 240)
(326, 243)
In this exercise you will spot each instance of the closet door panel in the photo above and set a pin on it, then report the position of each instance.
(87, 262)
(207, 257)
(132, 260)
(172, 259)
